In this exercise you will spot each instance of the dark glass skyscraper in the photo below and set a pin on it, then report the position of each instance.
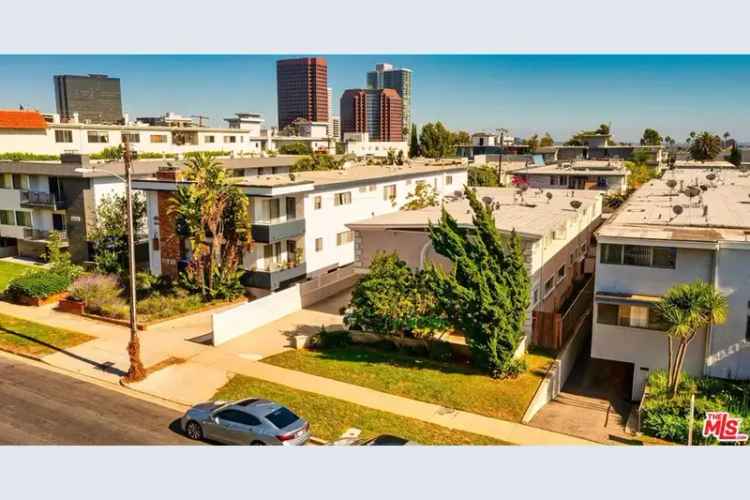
(386, 77)
(96, 98)
(302, 90)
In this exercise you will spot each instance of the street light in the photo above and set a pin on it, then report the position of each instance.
(136, 371)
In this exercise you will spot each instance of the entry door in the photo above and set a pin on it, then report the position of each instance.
(58, 222)
(291, 208)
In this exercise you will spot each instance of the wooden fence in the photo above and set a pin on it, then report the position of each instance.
(552, 329)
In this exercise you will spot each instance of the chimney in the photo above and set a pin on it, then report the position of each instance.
(75, 158)
(169, 174)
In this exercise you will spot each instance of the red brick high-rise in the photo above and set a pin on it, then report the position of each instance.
(302, 90)
(376, 112)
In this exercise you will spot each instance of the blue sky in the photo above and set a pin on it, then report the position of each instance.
(525, 93)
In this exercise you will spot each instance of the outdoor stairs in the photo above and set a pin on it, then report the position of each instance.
(613, 421)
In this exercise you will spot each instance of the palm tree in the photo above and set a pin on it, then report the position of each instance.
(685, 309)
(705, 146)
(726, 136)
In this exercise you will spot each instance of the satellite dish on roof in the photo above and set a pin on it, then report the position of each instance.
(711, 176)
(549, 196)
(677, 209)
(576, 204)
(704, 187)
(671, 183)
(692, 191)
(487, 200)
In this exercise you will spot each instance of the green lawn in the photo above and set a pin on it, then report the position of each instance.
(10, 270)
(446, 384)
(25, 337)
(330, 417)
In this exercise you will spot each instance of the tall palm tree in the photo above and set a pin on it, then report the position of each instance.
(705, 146)
(685, 309)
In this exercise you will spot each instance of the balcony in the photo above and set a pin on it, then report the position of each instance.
(269, 232)
(42, 235)
(41, 199)
(274, 277)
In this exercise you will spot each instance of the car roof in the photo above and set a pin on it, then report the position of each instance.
(255, 406)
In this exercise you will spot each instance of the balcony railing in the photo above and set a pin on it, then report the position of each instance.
(265, 232)
(42, 235)
(41, 199)
(274, 276)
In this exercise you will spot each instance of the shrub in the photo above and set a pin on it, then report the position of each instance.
(59, 259)
(28, 157)
(330, 340)
(37, 285)
(159, 306)
(146, 284)
(440, 351)
(100, 292)
(212, 154)
(295, 148)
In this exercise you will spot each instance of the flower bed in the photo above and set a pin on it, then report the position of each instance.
(38, 288)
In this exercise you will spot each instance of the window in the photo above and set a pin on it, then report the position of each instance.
(633, 316)
(209, 139)
(63, 136)
(6, 218)
(344, 198)
(561, 273)
(318, 202)
(747, 328)
(372, 187)
(389, 192)
(318, 244)
(343, 238)
(601, 182)
(362, 189)
(158, 138)
(448, 180)
(6, 181)
(611, 254)
(233, 416)
(664, 257)
(132, 137)
(23, 218)
(274, 209)
(535, 296)
(552, 180)
(282, 417)
(549, 285)
(98, 137)
(408, 182)
(230, 139)
(636, 255)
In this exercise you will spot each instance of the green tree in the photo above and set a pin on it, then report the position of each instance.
(435, 141)
(413, 142)
(424, 195)
(110, 234)
(295, 148)
(486, 292)
(59, 259)
(603, 129)
(533, 142)
(734, 157)
(213, 214)
(685, 309)
(461, 138)
(705, 146)
(546, 141)
(651, 138)
(318, 161)
(484, 176)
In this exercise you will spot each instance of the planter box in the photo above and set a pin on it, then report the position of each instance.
(36, 301)
(71, 306)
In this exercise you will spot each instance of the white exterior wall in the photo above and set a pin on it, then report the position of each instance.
(331, 220)
(152, 212)
(10, 199)
(377, 149)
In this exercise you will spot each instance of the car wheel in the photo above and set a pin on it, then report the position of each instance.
(193, 430)
(257, 443)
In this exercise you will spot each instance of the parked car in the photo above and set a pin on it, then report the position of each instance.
(382, 440)
(249, 421)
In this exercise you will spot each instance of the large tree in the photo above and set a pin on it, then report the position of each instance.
(685, 309)
(212, 213)
(546, 141)
(651, 138)
(461, 138)
(734, 157)
(435, 141)
(413, 142)
(110, 234)
(705, 146)
(533, 142)
(486, 291)
(424, 196)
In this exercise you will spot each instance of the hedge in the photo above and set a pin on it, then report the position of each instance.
(17, 156)
(37, 285)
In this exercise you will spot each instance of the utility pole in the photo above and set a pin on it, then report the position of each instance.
(691, 420)
(136, 371)
(500, 156)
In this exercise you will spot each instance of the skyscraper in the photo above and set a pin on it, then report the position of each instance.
(330, 112)
(96, 98)
(375, 112)
(386, 77)
(302, 90)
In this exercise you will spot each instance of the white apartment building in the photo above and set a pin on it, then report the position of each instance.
(299, 220)
(360, 145)
(32, 132)
(602, 175)
(697, 227)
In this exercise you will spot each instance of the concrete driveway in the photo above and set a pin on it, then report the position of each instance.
(278, 336)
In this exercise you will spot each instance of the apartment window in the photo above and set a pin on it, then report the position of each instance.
(318, 244)
(132, 137)
(96, 137)
(549, 285)
(611, 254)
(535, 296)
(318, 202)
(664, 257)
(362, 189)
(209, 139)
(408, 182)
(601, 182)
(63, 136)
(158, 138)
(561, 273)
(389, 192)
(6, 218)
(553, 180)
(23, 218)
(632, 316)
(448, 180)
(637, 255)
(6, 181)
(230, 139)
(371, 187)
(344, 198)
(344, 237)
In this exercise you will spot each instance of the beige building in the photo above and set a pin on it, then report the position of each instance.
(555, 238)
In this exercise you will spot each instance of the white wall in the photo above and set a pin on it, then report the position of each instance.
(152, 212)
(377, 149)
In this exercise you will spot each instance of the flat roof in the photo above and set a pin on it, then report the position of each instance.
(533, 218)
(721, 212)
(703, 164)
(581, 167)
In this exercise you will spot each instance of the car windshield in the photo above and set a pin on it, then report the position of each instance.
(282, 417)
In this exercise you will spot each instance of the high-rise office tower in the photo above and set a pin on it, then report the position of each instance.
(375, 112)
(330, 113)
(96, 98)
(399, 79)
(302, 90)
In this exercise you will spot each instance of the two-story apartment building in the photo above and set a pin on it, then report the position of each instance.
(697, 227)
(298, 220)
(602, 175)
(555, 234)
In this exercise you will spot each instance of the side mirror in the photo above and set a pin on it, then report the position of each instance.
(215, 419)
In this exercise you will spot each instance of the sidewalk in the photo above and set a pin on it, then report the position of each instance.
(207, 368)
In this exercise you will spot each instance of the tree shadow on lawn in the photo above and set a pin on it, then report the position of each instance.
(106, 367)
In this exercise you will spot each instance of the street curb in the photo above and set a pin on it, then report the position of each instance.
(22, 355)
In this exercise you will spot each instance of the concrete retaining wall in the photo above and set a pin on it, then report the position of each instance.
(560, 370)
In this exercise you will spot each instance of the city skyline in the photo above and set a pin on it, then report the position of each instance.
(527, 94)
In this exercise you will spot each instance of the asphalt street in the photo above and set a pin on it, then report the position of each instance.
(40, 407)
